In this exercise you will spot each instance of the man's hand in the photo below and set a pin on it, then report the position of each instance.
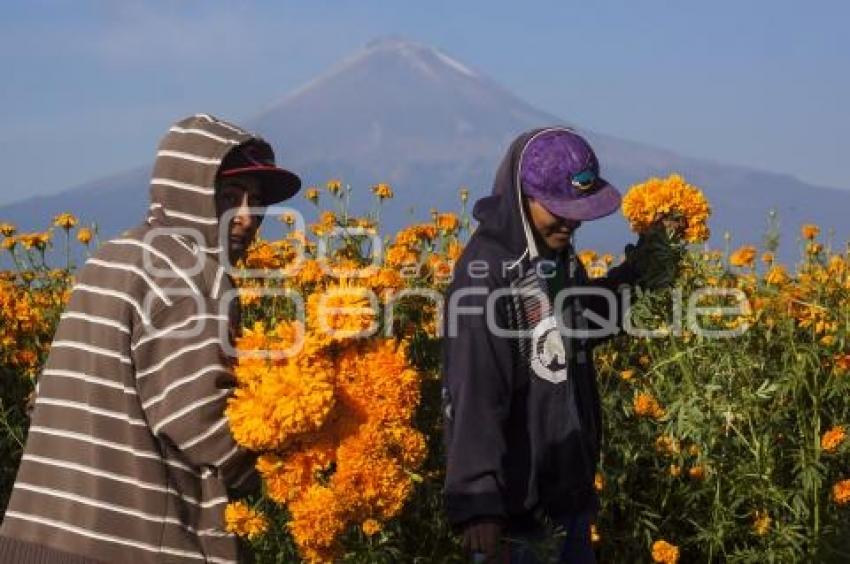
(656, 257)
(483, 537)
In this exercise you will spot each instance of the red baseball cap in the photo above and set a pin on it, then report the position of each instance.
(256, 159)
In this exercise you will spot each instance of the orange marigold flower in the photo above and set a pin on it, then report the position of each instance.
(287, 478)
(341, 311)
(627, 374)
(837, 267)
(327, 222)
(407, 443)
(244, 521)
(841, 364)
(386, 279)
(368, 478)
(666, 444)
(841, 492)
(669, 199)
(288, 218)
(26, 359)
(263, 254)
(370, 527)
(439, 267)
(776, 276)
(277, 401)
(426, 231)
(84, 235)
(761, 522)
(379, 369)
(675, 470)
(37, 241)
(588, 257)
(744, 257)
(283, 405)
(597, 271)
(595, 537)
(454, 251)
(310, 272)
(65, 220)
(7, 229)
(833, 438)
(645, 405)
(447, 222)
(317, 520)
(413, 235)
(665, 553)
(697, 472)
(400, 255)
(599, 482)
(312, 194)
(334, 186)
(809, 231)
(827, 340)
(382, 191)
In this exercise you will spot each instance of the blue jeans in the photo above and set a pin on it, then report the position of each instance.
(576, 547)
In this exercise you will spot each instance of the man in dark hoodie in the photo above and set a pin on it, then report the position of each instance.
(523, 417)
(129, 456)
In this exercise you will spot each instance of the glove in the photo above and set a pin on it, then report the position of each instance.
(656, 258)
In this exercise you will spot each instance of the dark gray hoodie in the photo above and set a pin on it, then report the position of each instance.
(523, 421)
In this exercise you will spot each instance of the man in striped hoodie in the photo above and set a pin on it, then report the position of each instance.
(129, 456)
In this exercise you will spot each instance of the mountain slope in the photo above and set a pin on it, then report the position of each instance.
(407, 114)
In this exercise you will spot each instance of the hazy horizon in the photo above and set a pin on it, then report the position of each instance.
(91, 86)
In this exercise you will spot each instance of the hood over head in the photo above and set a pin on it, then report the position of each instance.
(502, 215)
(187, 163)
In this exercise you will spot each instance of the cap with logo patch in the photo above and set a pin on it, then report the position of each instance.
(560, 171)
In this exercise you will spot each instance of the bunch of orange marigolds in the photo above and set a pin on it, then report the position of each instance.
(32, 295)
(668, 199)
(329, 400)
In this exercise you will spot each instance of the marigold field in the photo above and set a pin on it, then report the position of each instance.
(715, 449)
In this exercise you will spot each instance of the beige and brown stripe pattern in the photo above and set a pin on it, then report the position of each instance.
(129, 457)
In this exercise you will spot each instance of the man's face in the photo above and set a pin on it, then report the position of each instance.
(239, 193)
(553, 230)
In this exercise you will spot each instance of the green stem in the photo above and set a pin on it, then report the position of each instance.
(67, 250)
(11, 432)
(15, 260)
(816, 439)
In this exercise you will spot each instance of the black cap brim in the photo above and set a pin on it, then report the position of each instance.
(277, 184)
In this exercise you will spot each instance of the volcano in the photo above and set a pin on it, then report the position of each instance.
(412, 116)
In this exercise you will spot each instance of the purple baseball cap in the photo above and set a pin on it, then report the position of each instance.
(561, 171)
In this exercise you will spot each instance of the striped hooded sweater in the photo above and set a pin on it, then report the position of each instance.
(129, 456)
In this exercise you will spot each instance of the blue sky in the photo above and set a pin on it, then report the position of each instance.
(89, 86)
